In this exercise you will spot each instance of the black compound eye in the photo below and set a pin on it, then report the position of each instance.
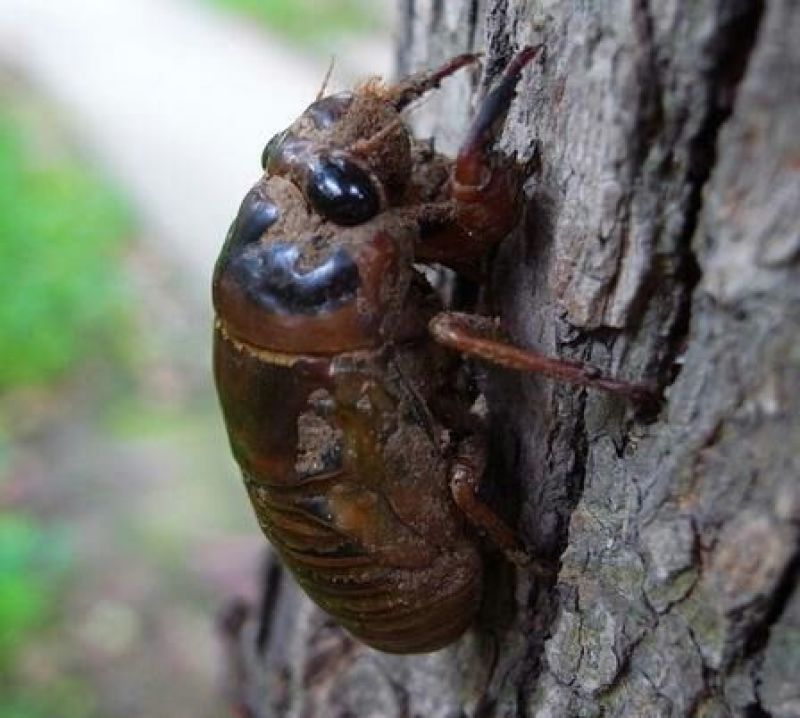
(341, 191)
(271, 148)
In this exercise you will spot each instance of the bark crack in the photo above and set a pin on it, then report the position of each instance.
(472, 23)
(730, 51)
(787, 585)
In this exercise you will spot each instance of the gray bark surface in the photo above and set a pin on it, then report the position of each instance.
(661, 240)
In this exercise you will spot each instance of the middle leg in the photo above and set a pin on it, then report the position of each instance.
(466, 471)
(478, 337)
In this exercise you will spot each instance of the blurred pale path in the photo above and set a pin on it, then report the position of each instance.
(131, 460)
(176, 99)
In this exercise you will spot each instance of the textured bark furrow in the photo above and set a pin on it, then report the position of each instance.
(407, 12)
(778, 608)
(733, 46)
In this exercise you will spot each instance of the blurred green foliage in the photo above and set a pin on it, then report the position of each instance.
(62, 299)
(60, 276)
(309, 21)
(32, 562)
(60, 698)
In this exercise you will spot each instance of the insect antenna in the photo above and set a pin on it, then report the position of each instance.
(326, 79)
(405, 92)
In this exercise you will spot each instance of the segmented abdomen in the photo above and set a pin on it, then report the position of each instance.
(354, 499)
(399, 610)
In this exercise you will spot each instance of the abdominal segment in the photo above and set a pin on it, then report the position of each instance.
(395, 608)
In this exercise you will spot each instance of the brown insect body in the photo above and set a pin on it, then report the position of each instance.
(328, 410)
(359, 456)
(349, 483)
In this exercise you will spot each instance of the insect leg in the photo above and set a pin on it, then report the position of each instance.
(484, 185)
(477, 336)
(473, 165)
(466, 471)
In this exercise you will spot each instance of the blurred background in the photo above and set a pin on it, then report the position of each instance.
(129, 132)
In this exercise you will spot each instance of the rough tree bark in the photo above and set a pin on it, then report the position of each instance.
(661, 239)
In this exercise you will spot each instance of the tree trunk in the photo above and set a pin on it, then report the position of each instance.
(661, 240)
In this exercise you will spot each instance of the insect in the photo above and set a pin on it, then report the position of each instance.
(334, 361)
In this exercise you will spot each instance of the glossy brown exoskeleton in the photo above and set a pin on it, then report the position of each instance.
(332, 363)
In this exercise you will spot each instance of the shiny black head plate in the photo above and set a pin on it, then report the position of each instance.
(270, 278)
(268, 275)
(326, 111)
(323, 113)
(256, 215)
